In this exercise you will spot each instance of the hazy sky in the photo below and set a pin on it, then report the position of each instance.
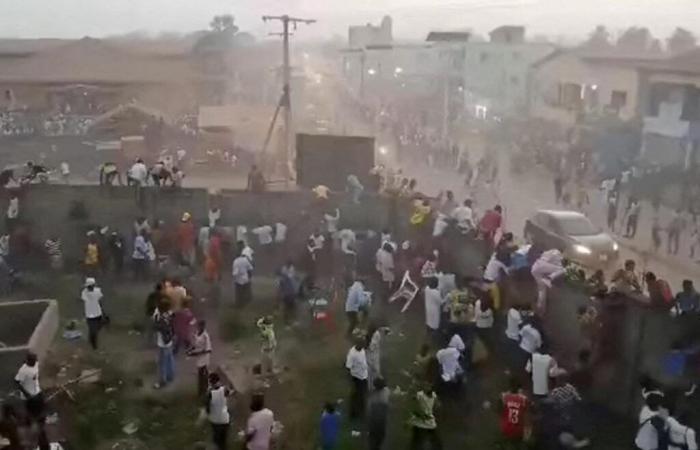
(412, 18)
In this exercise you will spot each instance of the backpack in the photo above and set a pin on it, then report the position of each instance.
(164, 326)
(662, 432)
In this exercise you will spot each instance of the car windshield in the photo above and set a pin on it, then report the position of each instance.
(576, 226)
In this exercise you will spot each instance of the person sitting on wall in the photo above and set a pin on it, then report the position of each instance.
(108, 173)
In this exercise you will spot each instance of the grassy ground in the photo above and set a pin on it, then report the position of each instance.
(312, 358)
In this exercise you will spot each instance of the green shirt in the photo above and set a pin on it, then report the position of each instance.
(423, 415)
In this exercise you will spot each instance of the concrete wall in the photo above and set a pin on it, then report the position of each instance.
(35, 322)
(45, 210)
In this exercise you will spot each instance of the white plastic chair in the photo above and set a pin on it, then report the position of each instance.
(408, 290)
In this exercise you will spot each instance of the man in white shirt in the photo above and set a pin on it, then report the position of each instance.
(201, 349)
(92, 299)
(682, 437)
(464, 216)
(138, 174)
(542, 366)
(530, 342)
(214, 216)
(27, 381)
(217, 411)
(259, 427)
(513, 321)
(242, 272)
(331, 221)
(356, 363)
(448, 358)
(433, 308)
(264, 234)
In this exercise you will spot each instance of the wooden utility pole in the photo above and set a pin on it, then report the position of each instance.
(286, 88)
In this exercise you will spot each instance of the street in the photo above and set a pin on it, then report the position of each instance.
(520, 195)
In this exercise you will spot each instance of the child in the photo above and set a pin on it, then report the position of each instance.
(330, 427)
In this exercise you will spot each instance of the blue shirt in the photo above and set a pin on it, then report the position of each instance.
(688, 301)
(330, 427)
(356, 297)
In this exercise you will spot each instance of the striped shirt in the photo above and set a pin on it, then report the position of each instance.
(53, 248)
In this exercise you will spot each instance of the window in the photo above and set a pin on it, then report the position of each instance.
(483, 57)
(618, 100)
(570, 95)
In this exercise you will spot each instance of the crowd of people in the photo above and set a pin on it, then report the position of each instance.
(470, 316)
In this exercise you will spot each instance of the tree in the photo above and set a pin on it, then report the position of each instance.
(635, 39)
(223, 24)
(681, 40)
(599, 38)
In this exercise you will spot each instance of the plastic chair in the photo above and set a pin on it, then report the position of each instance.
(408, 290)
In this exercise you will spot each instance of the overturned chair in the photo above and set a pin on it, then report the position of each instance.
(407, 290)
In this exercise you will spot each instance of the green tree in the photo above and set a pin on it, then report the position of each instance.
(599, 38)
(224, 23)
(681, 40)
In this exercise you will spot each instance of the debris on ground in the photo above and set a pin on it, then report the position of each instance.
(131, 427)
(90, 376)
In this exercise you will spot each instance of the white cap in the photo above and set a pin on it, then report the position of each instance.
(90, 282)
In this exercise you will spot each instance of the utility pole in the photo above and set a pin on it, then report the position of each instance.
(286, 88)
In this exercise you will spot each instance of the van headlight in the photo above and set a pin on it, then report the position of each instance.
(616, 246)
(582, 249)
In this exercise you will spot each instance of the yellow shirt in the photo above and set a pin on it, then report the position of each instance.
(91, 255)
(420, 212)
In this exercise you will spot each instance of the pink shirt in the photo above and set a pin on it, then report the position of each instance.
(260, 423)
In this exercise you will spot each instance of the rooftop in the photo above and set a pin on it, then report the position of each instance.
(448, 36)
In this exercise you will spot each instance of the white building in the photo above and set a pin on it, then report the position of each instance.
(497, 72)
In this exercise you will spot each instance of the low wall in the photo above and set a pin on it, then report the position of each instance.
(24, 326)
(45, 209)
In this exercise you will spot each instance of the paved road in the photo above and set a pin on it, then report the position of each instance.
(519, 195)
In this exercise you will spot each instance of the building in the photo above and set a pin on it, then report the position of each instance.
(91, 76)
(496, 72)
(671, 110)
(577, 85)
(370, 35)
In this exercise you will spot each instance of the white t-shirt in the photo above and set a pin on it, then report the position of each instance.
(433, 305)
(514, 319)
(347, 241)
(241, 270)
(13, 208)
(28, 377)
(681, 435)
(264, 234)
(483, 319)
(541, 367)
(332, 222)
(260, 426)
(356, 363)
(464, 217)
(65, 169)
(280, 232)
(440, 225)
(530, 338)
(218, 406)
(494, 270)
(449, 363)
(93, 309)
(214, 216)
(139, 172)
(202, 343)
